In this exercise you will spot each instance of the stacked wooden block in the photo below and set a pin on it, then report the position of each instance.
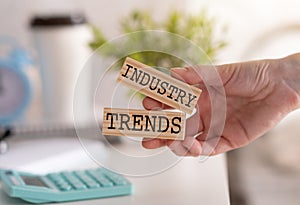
(148, 123)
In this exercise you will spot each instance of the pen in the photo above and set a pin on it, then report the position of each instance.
(5, 132)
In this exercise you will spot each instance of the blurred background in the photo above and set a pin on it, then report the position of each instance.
(265, 172)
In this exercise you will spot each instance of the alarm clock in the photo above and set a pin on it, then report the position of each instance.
(15, 89)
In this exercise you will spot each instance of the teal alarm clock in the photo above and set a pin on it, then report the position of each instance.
(15, 89)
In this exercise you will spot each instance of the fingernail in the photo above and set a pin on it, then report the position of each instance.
(179, 69)
(188, 142)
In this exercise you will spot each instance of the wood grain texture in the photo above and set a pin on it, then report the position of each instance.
(159, 86)
(143, 123)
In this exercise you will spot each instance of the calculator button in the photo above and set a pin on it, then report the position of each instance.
(93, 185)
(91, 173)
(71, 178)
(79, 186)
(84, 177)
(62, 184)
(60, 180)
(118, 180)
(99, 177)
(65, 187)
(104, 182)
(52, 176)
(88, 180)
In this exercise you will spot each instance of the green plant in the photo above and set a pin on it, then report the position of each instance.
(200, 29)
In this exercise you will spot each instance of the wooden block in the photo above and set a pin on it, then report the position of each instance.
(159, 86)
(144, 123)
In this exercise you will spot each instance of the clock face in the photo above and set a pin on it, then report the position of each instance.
(12, 93)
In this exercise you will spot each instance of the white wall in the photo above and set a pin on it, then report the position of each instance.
(15, 15)
(247, 20)
(250, 20)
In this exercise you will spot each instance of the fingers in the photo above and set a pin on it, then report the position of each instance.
(215, 146)
(194, 125)
(193, 146)
(188, 147)
(187, 74)
(151, 104)
(204, 74)
(177, 148)
(201, 145)
(153, 143)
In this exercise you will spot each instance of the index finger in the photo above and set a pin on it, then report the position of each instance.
(151, 104)
(153, 143)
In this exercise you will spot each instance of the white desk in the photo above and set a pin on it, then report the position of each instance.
(188, 182)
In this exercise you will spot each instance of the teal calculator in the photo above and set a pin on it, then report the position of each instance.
(64, 186)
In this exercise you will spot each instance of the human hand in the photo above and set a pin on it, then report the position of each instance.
(257, 98)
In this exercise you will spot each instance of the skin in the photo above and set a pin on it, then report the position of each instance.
(259, 94)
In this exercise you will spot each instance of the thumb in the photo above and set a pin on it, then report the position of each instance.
(187, 75)
(203, 74)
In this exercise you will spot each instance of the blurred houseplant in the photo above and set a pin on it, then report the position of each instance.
(200, 29)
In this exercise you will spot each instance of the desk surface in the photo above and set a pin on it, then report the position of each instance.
(188, 182)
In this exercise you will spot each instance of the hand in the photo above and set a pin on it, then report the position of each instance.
(257, 98)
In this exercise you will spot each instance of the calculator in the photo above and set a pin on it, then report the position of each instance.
(64, 186)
